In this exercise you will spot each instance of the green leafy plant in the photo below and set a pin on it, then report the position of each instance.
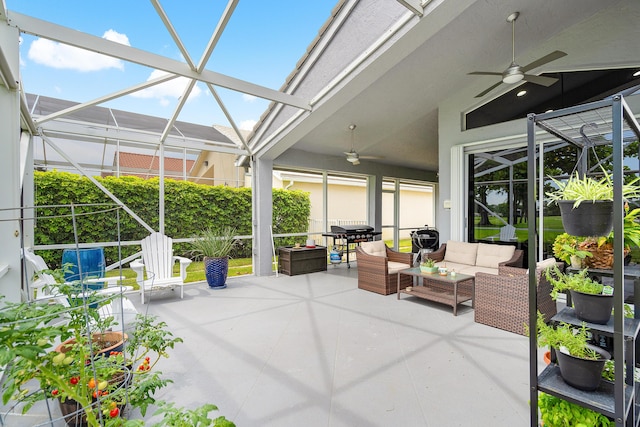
(428, 262)
(102, 384)
(580, 282)
(215, 243)
(587, 188)
(556, 412)
(563, 335)
(565, 246)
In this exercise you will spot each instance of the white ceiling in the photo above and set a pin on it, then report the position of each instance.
(397, 114)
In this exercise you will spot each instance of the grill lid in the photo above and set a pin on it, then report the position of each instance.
(351, 229)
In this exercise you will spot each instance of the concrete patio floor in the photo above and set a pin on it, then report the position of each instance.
(314, 350)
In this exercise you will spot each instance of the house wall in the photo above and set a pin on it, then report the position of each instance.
(218, 169)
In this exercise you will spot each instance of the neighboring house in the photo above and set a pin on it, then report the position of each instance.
(146, 166)
(214, 168)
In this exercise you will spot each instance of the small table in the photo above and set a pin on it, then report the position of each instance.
(450, 290)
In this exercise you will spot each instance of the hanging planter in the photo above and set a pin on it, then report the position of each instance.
(586, 204)
(589, 218)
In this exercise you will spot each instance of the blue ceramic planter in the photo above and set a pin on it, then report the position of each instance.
(216, 269)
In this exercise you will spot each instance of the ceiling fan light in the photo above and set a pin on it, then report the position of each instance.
(512, 78)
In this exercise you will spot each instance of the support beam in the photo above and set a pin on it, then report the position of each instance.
(10, 202)
(413, 5)
(262, 216)
(48, 30)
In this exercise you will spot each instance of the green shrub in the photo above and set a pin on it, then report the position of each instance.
(189, 208)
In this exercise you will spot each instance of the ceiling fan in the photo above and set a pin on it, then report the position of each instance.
(352, 156)
(515, 73)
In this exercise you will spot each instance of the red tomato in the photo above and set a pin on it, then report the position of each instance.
(114, 412)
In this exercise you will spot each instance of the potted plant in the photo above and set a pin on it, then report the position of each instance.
(93, 386)
(215, 245)
(601, 248)
(581, 364)
(428, 266)
(592, 301)
(586, 204)
(566, 248)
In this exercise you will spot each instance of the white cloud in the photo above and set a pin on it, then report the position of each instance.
(247, 124)
(248, 98)
(57, 55)
(171, 89)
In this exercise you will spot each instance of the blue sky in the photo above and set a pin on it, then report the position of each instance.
(261, 44)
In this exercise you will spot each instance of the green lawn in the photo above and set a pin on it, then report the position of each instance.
(195, 271)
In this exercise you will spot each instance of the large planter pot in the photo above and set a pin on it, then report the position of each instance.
(592, 308)
(216, 269)
(590, 218)
(580, 373)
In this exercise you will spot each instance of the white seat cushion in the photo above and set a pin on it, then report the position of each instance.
(376, 248)
(492, 255)
(393, 267)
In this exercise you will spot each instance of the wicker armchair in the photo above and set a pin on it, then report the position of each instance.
(378, 273)
(502, 301)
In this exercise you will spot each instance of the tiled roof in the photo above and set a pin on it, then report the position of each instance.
(146, 165)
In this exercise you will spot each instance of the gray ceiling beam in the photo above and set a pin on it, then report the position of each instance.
(48, 30)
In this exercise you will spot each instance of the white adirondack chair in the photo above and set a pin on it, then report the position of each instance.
(157, 260)
(121, 308)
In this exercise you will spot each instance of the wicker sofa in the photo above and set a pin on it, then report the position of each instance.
(378, 267)
(472, 258)
(502, 300)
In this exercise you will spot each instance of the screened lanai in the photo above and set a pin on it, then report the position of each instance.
(400, 70)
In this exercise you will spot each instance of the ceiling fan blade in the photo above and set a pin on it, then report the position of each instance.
(357, 162)
(483, 73)
(540, 80)
(486, 91)
(371, 157)
(544, 60)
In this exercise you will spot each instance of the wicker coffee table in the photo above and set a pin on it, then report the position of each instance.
(450, 290)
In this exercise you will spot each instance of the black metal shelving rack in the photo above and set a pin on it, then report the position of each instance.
(609, 122)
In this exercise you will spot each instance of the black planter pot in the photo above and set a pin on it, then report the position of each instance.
(592, 308)
(580, 373)
(216, 269)
(590, 218)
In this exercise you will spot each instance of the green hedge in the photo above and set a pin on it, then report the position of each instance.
(189, 208)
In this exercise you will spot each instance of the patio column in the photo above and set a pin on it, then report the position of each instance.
(9, 163)
(374, 201)
(262, 216)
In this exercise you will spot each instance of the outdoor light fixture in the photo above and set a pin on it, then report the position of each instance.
(636, 74)
(513, 74)
(521, 93)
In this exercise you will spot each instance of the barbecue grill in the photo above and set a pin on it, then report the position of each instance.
(351, 235)
(424, 238)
